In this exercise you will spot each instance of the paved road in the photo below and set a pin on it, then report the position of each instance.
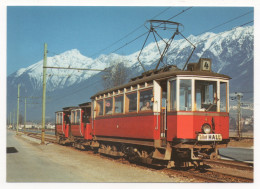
(239, 154)
(54, 163)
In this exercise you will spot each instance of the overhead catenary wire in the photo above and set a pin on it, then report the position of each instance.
(148, 31)
(225, 31)
(130, 33)
(219, 34)
(228, 21)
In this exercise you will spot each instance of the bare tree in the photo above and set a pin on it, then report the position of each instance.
(116, 74)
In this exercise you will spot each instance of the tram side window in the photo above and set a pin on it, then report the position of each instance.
(206, 95)
(131, 102)
(185, 95)
(58, 118)
(108, 106)
(100, 107)
(223, 97)
(145, 100)
(72, 117)
(77, 116)
(173, 102)
(119, 104)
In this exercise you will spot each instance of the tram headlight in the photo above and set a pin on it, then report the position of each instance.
(206, 128)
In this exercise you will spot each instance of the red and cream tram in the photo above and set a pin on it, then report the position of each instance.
(169, 114)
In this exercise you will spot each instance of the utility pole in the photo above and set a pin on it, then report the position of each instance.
(10, 121)
(17, 121)
(24, 114)
(13, 119)
(239, 96)
(44, 91)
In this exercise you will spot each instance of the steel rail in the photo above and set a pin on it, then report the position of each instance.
(231, 164)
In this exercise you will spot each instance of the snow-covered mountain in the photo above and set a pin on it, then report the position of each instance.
(231, 53)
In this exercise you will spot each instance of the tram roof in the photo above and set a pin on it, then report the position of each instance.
(171, 71)
(70, 108)
(85, 105)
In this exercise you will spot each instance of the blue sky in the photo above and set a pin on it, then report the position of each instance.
(91, 29)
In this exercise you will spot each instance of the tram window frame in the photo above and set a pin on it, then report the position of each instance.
(142, 85)
(208, 95)
(225, 107)
(99, 107)
(72, 117)
(59, 118)
(128, 105)
(109, 112)
(122, 104)
(142, 108)
(77, 116)
(187, 99)
(173, 105)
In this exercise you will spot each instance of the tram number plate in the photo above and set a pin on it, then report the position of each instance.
(209, 137)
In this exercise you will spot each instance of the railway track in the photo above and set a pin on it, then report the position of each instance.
(48, 138)
(229, 163)
(209, 174)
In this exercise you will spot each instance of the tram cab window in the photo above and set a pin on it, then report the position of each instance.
(119, 104)
(206, 95)
(108, 106)
(185, 95)
(173, 102)
(145, 100)
(131, 102)
(100, 107)
(59, 118)
(223, 97)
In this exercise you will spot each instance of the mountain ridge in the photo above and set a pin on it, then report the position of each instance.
(231, 53)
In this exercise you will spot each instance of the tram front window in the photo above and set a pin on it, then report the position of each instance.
(185, 95)
(206, 95)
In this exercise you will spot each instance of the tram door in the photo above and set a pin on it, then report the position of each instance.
(164, 113)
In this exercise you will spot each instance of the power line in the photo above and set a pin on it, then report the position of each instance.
(220, 34)
(133, 31)
(129, 42)
(180, 13)
(148, 31)
(225, 31)
(226, 22)
(76, 91)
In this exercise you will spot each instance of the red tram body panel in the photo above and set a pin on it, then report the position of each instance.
(135, 126)
(187, 126)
